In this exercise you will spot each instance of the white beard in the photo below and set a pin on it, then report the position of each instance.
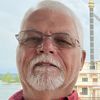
(44, 79)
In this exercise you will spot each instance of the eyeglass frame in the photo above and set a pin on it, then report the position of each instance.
(75, 44)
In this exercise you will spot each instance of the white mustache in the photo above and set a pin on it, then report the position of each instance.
(46, 58)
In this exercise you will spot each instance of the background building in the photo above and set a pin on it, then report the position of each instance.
(88, 84)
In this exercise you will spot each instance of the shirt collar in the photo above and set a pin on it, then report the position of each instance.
(19, 96)
(72, 96)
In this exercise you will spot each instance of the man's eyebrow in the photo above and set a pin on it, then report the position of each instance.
(37, 31)
(31, 30)
(62, 33)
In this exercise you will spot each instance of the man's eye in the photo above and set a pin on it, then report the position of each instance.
(63, 41)
(33, 40)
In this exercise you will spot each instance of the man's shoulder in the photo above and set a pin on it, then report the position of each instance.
(73, 96)
(17, 96)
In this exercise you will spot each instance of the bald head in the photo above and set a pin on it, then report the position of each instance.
(55, 6)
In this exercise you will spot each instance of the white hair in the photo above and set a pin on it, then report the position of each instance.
(58, 6)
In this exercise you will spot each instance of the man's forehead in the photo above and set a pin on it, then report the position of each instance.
(57, 21)
(47, 12)
(54, 17)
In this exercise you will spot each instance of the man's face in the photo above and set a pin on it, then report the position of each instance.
(49, 65)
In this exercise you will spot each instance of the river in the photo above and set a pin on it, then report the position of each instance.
(6, 90)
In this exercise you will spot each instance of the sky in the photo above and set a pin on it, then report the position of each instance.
(11, 14)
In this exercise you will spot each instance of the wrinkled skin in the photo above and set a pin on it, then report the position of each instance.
(71, 59)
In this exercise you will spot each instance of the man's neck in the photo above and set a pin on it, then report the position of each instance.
(47, 95)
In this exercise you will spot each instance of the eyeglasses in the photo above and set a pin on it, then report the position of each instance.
(33, 38)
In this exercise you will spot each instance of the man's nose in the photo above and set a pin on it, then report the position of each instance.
(47, 47)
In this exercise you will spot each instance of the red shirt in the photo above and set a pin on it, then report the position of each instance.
(19, 96)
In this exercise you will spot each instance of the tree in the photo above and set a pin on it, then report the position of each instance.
(7, 77)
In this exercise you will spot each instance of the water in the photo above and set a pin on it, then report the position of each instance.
(6, 90)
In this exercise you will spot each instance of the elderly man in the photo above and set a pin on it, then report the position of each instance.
(50, 54)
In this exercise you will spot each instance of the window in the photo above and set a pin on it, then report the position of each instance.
(84, 91)
(92, 67)
(95, 79)
(84, 79)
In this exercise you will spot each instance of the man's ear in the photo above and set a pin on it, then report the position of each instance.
(83, 58)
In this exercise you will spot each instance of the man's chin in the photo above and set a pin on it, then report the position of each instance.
(44, 81)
